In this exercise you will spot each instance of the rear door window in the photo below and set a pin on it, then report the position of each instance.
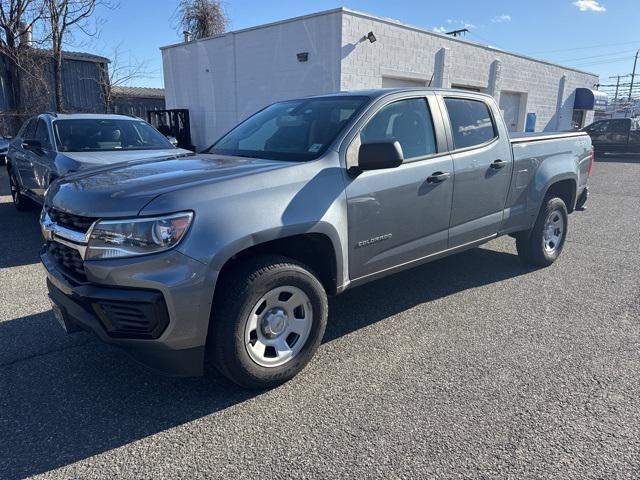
(471, 122)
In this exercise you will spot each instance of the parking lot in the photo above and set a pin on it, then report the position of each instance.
(472, 366)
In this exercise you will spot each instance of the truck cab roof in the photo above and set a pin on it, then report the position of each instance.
(382, 92)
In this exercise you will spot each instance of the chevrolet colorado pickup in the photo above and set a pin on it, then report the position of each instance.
(229, 255)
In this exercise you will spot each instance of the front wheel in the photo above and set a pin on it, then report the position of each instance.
(270, 323)
(20, 202)
(543, 244)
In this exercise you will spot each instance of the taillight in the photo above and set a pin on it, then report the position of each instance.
(592, 159)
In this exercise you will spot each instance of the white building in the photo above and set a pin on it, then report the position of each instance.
(224, 79)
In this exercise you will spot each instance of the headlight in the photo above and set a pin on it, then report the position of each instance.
(137, 236)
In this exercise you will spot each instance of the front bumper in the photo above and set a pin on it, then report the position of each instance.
(157, 308)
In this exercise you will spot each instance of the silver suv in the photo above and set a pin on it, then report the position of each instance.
(52, 145)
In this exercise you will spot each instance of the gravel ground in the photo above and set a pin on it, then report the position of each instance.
(472, 366)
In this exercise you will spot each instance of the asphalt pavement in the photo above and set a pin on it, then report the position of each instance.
(473, 366)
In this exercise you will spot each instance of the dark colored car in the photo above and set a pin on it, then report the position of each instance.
(621, 135)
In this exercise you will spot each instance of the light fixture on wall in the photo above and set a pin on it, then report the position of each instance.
(302, 56)
(371, 37)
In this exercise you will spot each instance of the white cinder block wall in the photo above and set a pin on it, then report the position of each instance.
(222, 80)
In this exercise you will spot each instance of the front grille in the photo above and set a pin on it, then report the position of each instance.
(68, 261)
(69, 220)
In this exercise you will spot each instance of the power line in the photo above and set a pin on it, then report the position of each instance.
(597, 56)
(602, 62)
(584, 48)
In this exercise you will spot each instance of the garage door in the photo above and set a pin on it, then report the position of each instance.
(391, 82)
(510, 106)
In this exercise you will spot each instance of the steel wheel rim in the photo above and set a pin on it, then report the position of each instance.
(278, 326)
(13, 185)
(552, 232)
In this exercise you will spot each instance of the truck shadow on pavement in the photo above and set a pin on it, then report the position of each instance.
(66, 398)
(21, 239)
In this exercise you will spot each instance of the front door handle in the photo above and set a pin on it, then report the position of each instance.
(498, 164)
(438, 177)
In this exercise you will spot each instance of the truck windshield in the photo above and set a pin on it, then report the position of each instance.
(297, 130)
(98, 135)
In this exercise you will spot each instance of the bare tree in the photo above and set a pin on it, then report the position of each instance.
(23, 66)
(120, 72)
(201, 18)
(65, 16)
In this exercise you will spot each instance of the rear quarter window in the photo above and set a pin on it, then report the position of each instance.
(471, 122)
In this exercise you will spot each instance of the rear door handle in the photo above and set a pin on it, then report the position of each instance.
(438, 177)
(498, 164)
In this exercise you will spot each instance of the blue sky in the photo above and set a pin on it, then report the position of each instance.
(597, 36)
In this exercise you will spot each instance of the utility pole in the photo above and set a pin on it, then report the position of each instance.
(616, 98)
(633, 74)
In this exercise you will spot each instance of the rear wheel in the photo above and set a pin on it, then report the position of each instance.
(271, 320)
(543, 244)
(19, 200)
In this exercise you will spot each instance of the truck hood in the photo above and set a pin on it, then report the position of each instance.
(124, 189)
(92, 159)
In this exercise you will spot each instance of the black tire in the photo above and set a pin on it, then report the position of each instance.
(243, 288)
(20, 202)
(530, 245)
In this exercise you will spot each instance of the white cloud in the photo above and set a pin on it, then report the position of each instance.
(589, 6)
(501, 18)
(453, 24)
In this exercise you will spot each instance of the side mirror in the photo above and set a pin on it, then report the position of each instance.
(380, 155)
(173, 141)
(31, 144)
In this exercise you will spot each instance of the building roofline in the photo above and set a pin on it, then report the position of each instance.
(389, 21)
(397, 23)
(257, 27)
(71, 55)
(138, 92)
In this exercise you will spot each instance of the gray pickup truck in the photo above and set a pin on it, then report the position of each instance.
(230, 255)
